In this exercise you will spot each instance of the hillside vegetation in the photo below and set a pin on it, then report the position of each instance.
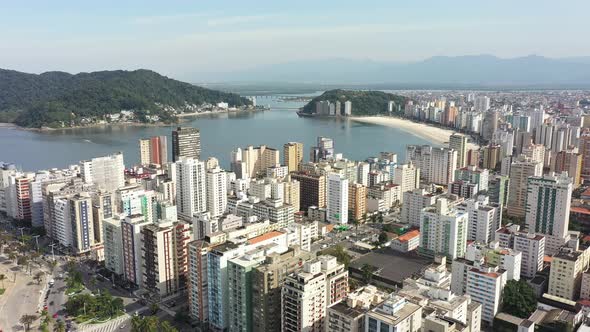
(363, 102)
(53, 98)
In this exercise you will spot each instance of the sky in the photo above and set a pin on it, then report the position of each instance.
(184, 38)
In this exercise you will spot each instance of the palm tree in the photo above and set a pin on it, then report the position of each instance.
(27, 320)
(137, 324)
(38, 276)
(2, 278)
(165, 326)
(154, 308)
(367, 271)
(151, 324)
(59, 327)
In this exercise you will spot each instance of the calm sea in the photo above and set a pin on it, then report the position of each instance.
(220, 134)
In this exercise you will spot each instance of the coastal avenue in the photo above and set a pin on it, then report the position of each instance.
(356, 140)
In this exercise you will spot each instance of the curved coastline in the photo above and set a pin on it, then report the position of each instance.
(438, 136)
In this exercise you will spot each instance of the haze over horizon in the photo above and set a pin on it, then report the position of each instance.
(203, 41)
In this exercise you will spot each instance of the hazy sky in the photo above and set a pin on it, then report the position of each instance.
(181, 38)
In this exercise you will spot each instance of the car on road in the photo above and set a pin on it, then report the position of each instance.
(122, 327)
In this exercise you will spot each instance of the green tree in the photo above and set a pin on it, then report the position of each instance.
(38, 276)
(340, 253)
(165, 326)
(137, 324)
(27, 320)
(380, 218)
(151, 324)
(2, 278)
(382, 238)
(60, 326)
(367, 272)
(154, 308)
(519, 298)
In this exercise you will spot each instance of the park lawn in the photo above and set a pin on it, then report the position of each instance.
(2, 290)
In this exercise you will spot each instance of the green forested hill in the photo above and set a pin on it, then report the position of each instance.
(363, 102)
(50, 98)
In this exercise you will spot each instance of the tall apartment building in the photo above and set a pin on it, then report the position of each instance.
(414, 202)
(458, 142)
(565, 277)
(113, 245)
(548, 208)
(18, 194)
(437, 165)
(267, 280)
(107, 173)
(307, 293)
(133, 199)
(485, 285)
(443, 230)
(337, 199)
(570, 162)
(82, 223)
(132, 245)
(535, 152)
(252, 161)
(498, 189)
(349, 315)
(482, 103)
(159, 259)
(293, 155)
(443, 164)
(475, 175)
(357, 201)
(186, 142)
(291, 193)
(407, 176)
(484, 218)
(584, 149)
(153, 150)
(520, 170)
(239, 274)
(198, 299)
(362, 175)
(323, 150)
(493, 254)
(216, 191)
(312, 189)
(395, 314)
(532, 247)
(56, 209)
(191, 188)
(37, 186)
(491, 156)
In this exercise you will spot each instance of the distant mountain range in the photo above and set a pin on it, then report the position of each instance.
(483, 70)
(57, 98)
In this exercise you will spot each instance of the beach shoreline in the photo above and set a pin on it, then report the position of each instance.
(438, 136)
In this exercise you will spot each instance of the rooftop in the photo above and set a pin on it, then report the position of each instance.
(264, 237)
(345, 310)
(409, 235)
(392, 265)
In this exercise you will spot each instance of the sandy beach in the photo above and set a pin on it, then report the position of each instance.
(438, 136)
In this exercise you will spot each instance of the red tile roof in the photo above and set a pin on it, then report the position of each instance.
(264, 237)
(409, 235)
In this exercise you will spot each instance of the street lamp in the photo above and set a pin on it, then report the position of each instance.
(22, 235)
(52, 252)
(36, 237)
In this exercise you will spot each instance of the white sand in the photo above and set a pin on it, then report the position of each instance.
(436, 135)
